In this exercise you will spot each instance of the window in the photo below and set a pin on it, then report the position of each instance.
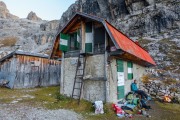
(89, 38)
(99, 40)
(130, 70)
(73, 42)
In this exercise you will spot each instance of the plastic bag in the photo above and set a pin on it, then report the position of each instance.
(98, 107)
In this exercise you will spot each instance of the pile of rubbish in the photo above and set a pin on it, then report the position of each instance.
(131, 105)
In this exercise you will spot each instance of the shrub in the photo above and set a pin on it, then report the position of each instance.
(61, 97)
(169, 81)
(8, 41)
(145, 78)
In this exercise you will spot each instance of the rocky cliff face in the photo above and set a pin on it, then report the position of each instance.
(155, 23)
(32, 34)
(33, 16)
(4, 12)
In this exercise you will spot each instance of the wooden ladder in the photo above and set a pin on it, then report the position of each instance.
(78, 80)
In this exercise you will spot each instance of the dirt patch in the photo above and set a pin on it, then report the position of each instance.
(21, 112)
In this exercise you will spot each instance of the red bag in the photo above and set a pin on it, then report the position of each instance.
(117, 109)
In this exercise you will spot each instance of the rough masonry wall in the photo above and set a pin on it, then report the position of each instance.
(94, 72)
(94, 87)
(138, 72)
(94, 90)
(111, 84)
(95, 66)
(68, 74)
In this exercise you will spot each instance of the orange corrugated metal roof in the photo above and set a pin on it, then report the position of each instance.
(129, 46)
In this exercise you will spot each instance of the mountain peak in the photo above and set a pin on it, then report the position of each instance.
(4, 12)
(32, 16)
(2, 5)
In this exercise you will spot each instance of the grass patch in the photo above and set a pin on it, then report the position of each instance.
(169, 106)
(8, 41)
(144, 42)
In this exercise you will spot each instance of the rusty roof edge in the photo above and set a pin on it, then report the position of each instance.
(147, 64)
(143, 59)
(149, 56)
(7, 56)
(23, 53)
(31, 54)
(110, 34)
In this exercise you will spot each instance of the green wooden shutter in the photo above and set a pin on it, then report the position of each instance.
(64, 39)
(120, 90)
(120, 67)
(130, 71)
(89, 37)
(120, 84)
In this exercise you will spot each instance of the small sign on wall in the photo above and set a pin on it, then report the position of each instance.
(120, 78)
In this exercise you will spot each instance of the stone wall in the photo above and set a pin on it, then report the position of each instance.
(96, 86)
(94, 72)
(111, 84)
(95, 66)
(68, 75)
(94, 90)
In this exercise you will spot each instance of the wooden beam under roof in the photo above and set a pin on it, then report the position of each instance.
(75, 27)
(65, 30)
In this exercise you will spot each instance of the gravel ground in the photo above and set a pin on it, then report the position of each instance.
(20, 112)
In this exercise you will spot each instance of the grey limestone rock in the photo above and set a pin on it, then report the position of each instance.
(32, 16)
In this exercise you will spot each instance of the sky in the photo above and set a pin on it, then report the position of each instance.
(45, 9)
